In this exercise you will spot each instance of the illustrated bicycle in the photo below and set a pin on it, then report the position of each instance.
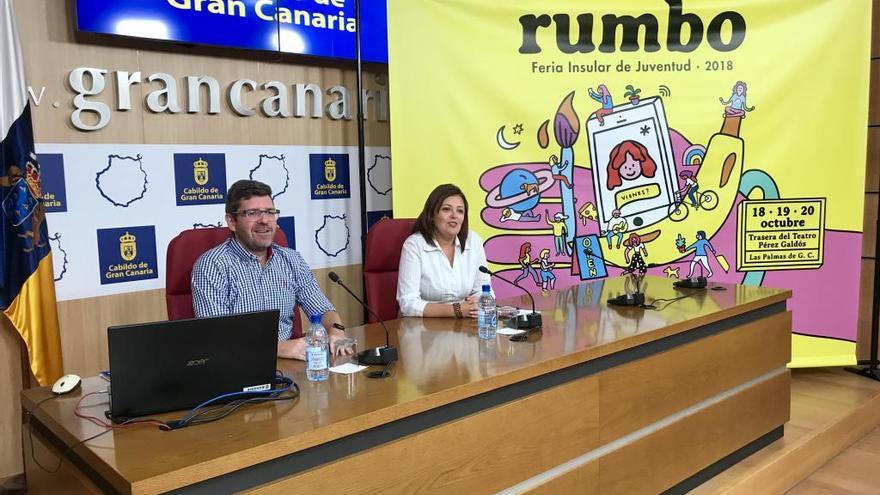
(707, 200)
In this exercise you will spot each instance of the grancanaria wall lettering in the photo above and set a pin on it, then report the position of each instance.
(244, 97)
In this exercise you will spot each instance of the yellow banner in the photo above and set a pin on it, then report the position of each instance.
(726, 138)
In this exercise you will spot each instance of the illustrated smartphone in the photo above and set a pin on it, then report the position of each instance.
(633, 165)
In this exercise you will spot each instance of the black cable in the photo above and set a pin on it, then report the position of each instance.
(63, 454)
(70, 448)
(31, 432)
(227, 409)
(672, 300)
(219, 411)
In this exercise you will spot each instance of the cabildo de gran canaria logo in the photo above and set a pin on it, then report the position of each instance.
(52, 174)
(329, 176)
(200, 178)
(128, 247)
(330, 170)
(200, 172)
(127, 254)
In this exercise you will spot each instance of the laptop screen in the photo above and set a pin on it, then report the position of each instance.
(173, 365)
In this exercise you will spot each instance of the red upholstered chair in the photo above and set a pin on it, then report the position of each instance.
(183, 251)
(381, 262)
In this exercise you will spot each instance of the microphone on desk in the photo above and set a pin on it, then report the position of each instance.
(691, 283)
(527, 321)
(637, 298)
(380, 356)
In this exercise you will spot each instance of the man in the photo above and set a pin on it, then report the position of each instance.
(616, 227)
(558, 224)
(700, 256)
(248, 272)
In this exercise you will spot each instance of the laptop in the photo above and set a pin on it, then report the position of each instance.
(173, 365)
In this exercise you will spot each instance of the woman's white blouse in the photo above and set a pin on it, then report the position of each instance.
(425, 275)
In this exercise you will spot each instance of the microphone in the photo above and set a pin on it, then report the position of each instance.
(380, 356)
(691, 283)
(636, 298)
(523, 322)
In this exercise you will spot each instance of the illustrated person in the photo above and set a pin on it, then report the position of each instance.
(525, 261)
(604, 98)
(629, 160)
(511, 215)
(635, 261)
(636, 268)
(736, 104)
(439, 265)
(559, 231)
(690, 186)
(249, 272)
(700, 256)
(557, 170)
(616, 227)
(548, 279)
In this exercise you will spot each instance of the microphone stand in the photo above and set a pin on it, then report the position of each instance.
(380, 356)
(698, 282)
(632, 298)
(528, 321)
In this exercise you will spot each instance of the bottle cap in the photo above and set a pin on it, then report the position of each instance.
(487, 288)
(315, 319)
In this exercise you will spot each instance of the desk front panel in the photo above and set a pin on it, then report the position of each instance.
(595, 373)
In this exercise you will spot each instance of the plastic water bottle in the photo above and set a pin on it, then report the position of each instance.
(317, 351)
(487, 319)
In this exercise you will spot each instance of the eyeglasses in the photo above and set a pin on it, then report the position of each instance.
(255, 214)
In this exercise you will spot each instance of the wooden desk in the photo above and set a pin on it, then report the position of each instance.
(605, 400)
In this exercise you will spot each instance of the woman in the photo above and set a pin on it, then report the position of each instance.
(690, 186)
(629, 160)
(603, 97)
(736, 104)
(525, 261)
(440, 262)
(637, 267)
(636, 263)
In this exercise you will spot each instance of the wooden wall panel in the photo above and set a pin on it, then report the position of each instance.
(872, 167)
(85, 321)
(875, 29)
(866, 293)
(872, 185)
(84, 325)
(46, 29)
(873, 102)
(10, 410)
(869, 227)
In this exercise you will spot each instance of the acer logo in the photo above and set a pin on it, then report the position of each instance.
(197, 362)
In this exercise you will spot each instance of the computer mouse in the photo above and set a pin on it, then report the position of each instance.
(66, 384)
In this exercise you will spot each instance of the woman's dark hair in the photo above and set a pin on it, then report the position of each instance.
(245, 189)
(425, 221)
